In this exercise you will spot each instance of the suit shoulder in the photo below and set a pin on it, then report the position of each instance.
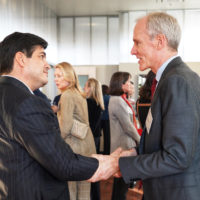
(11, 97)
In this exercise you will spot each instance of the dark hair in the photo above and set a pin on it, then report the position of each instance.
(145, 90)
(18, 42)
(105, 89)
(116, 82)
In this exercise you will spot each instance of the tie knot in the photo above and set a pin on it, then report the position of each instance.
(154, 82)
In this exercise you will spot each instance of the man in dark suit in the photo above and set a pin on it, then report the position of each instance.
(169, 152)
(35, 162)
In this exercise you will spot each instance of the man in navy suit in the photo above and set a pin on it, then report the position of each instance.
(35, 162)
(169, 152)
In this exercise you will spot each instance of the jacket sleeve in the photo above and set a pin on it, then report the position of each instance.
(37, 130)
(179, 107)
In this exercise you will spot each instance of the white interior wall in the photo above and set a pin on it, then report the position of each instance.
(30, 16)
(33, 17)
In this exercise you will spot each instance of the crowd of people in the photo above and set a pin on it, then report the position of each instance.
(53, 151)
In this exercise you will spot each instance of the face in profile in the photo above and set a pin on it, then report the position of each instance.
(87, 89)
(131, 90)
(144, 46)
(36, 68)
(126, 87)
(60, 81)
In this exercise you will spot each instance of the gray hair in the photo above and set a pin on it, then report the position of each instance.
(163, 23)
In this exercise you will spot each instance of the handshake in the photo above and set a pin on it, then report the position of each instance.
(109, 164)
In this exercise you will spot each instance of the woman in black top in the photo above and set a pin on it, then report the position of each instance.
(95, 107)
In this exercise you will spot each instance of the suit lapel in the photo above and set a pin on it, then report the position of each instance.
(171, 66)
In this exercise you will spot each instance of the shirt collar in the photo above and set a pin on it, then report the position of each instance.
(162, 68)
(21, 82)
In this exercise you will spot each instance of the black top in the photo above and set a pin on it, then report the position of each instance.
(142, 108)
(56, 100)
(94, 113)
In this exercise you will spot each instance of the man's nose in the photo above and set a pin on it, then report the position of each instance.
(48, 66)
(133, 50)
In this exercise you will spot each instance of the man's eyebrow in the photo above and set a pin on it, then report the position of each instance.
(44, 53)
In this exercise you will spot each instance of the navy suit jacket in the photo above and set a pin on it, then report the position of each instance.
(35, 162)
(169, 160)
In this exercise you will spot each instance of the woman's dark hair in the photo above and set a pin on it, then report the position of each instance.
(116, 82)
(145, 90)
(105, 89)
(18, 42)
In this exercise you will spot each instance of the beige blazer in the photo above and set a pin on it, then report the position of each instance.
(73, 106)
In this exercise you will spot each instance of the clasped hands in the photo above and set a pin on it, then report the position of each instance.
(109, 164)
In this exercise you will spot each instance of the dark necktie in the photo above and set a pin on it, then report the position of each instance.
(153, 87)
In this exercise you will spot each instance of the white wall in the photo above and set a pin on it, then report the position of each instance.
(33, 17)
(89, 40)
(101, 42)
(30, 16)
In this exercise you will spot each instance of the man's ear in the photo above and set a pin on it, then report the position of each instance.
(20, 58)
(161, 41)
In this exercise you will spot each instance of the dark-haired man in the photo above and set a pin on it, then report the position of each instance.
(35, 161)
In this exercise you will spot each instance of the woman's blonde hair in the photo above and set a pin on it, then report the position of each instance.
(70, 76)
(96, 91)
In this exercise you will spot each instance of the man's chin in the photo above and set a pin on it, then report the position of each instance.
(45, 82)
(142, 68)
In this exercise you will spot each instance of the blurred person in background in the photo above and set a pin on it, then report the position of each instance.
(123, 131)
(54, 105)
(143, 103)
(95, 104)
(105, 124)
(73, 108)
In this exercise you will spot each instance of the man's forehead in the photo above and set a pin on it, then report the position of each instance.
(39, 49)
(140, 27)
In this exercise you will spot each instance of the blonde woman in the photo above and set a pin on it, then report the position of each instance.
(73, 106)
(93, 91)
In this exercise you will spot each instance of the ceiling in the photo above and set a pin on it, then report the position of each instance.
(113, 7)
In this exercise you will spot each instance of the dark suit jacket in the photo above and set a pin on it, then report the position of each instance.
(170, 162)
(35, 162)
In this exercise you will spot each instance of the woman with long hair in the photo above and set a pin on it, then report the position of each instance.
(95, 104)
(73, 113)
